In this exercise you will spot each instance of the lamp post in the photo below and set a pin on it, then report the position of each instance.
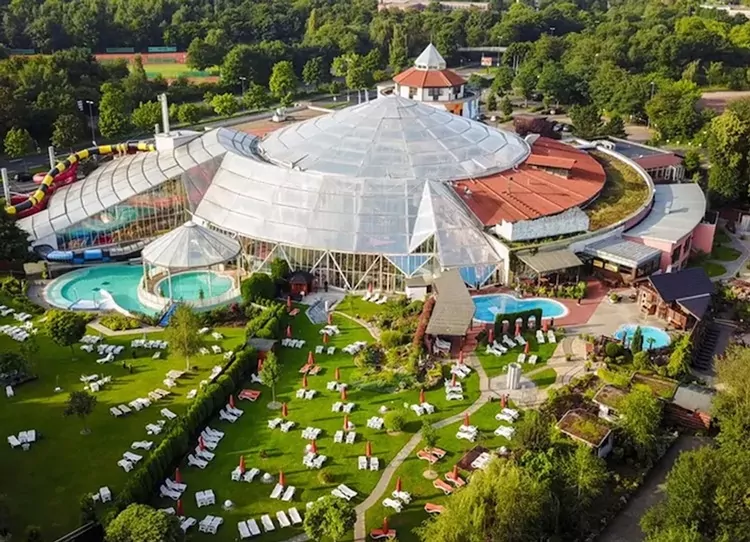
(242, 82)
(651, 97)
(91, 121)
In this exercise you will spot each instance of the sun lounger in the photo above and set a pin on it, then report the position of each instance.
(362, 463)
(216, 349)
(375, 423)
(168, 414)
(288, 494)
(249, 395)
(126, 465)
(13, 441)
(347, 491)
(187, 523)
(309, 394)
(338, 493)
(294, 516)
(174, 486)
(318, 461)
(226, 416)
(454, 397)
(165, 492)
(431, 459)
(251, 474)
(508, 342)
(393, 503)
(375, 298)
(382, 300)
(442, 486)
(533, 359)
(539, 336)
(204, 454)
(267, 523)
(457, 481)
(277, 491)
(234, 411)
(331, 350)
(374, 464)
(282, 518)
(520, 340)
(350, 437)
(142, 445)
(244, 531)
(431, 508)
(403, 496)
(380, 534)
(253, 526)
(551, 336)
(348, 407)
(286, 426)
(336, 407)
(116, 412)
(367, 296)
(274, 423)
(513, 413)
(521, 358)
(195, 462)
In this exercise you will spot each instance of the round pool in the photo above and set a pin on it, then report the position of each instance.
(187, 286)
(83, 288)
(487, 307)
(653, 337)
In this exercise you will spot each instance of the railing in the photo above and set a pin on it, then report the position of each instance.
(152, 301)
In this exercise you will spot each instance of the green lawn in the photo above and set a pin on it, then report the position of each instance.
(421, 489)
(283, 451)
(725, 253)
(544, 378)
(355, 306)
(496, 365)
(624, 192)
(721, 237)
(44, 485)
(713, 269)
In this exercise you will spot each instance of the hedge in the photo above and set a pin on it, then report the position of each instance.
(513, 316)
(183, 432)
(269, 324)
(424, 319)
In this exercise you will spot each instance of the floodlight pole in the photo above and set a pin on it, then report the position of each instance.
(6, 185)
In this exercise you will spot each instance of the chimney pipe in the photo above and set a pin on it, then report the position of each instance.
(6, 185)
(164, 112)
(52, 158)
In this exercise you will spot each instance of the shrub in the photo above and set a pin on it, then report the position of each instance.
(641, 360)
(15, 293)
(513, 316)
(119, 322)
(258, 287)
(372, 356)
(395, 420)
(392, 338)
(613, 350)
(279, 269)
(325, 477)
(424, 319)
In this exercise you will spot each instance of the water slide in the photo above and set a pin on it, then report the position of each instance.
(38, 200)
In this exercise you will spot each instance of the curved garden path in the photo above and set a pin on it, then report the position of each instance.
(374, 331)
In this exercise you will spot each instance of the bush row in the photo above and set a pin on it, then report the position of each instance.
(269, 324)
(513, 316)
(183, 432)
(15, 291)
(118, 322)
(424, 319)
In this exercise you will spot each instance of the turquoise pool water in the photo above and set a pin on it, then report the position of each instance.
(488, 306)
(660, 337)
(187, 286)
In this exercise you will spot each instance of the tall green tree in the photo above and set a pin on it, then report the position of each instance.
(141, 523)
(146, 116)
(732, 403)
(65, 328)
(329, 518)
(225, 104)
(585, 475)
(533, 431)
(270, 373)
(80, 404)
(673, 110)
(283, 80)
(587, 121)
(182, 333)
(114, 120)
(525, 82)
(256, 97)
(398, 55)
(67, 131)
(14, 242)
(18, 142)
(312, 72)
(136, 85)
(640, 416)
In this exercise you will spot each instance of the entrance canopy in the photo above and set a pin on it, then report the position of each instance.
(549, 262)
(191, 246)
(454, 308)
(621, 251)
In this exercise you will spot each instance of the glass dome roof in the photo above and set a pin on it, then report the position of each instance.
(397, 138)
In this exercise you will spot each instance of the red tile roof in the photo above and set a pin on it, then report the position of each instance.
(653, 161)
(429, 78)
(526, 193)
(550, 161)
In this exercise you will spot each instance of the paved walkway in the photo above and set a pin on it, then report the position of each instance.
(738, 265)
(360, 527)
(374, 331)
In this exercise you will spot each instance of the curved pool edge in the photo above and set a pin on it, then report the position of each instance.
(626, 328)
(565, 310)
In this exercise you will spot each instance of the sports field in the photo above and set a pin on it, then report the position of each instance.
(169, 65)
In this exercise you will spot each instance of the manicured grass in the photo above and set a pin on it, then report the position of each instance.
(724, 253)
(421, 489)
(359, 308)
(496, 365)
(721, 237)
(713, 269)
(544, 378)
(250, 437)
(172, 70)
(44, 485)
(624, 192)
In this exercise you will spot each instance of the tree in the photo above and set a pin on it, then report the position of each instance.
(65, 328)
(533, 431)
(33, 534)
(188, 114)
(283, 80)
(141, 523)
(640, 416)
(585, 475)
(679, 360)
(14, 242)
(279, 269)
(732, 403)
(67, 131)
(18, 142)
(114, 120)
(312, 72)
(506, 106)
(615, 127)
(225, 105)
(525, 83)
(503, 80)
(136, 86)
(491, 103)
(397, 52)
(503, 502)
(81, 404)
(692, 161)
(673, 110)
(146, 116)
(556, 83)
(587, 121)
(636, 344)
(182, 333)
(429, 434)
(11, 362)
(257, 287)
(329, 517)
(270, 373)
(256, 97)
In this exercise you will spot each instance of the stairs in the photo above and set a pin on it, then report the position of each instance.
(704, 355)
(164, 320)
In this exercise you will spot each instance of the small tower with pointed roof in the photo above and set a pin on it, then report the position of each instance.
(431, 82)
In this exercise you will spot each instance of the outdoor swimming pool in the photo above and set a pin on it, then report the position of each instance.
(488, 306)
(653, 337)
(121, 281)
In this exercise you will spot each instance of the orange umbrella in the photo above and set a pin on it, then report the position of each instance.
(461, 357)
(310, 359)
(313, 447)
(491, 335)
(385, 526)
(282, 479)
(179, 508)
(466, 419)
(518, 329)
(325, 338)
(343, 394)
(330, 318)
(369, 287)
(284, 410)
(337, 374)
(526, 348)
(398, 484)
(242, 464)
(421, 396)
(304, 381)
(231, 401)
(544, 326)
(346, 422)
(455, 472)
(368, 449)
(177, 476)
(201, 444)
(453, 379)
(260, 364)
(288, 332)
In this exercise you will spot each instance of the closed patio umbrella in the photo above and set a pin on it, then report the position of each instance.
(310, 359)
(288, 332)
(304, 381)
(242, 464)
(421, 396)
(177, 476)
(231, 401)
(337, 374)
(180, 512)
(368, 449)
(282, 478)
(343, 394)
(284, 410)
(526, 348)
(398, 484)
(313, 447)
(466, 419)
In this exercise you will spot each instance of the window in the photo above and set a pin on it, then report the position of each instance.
(412, 91)
(434, 93)
(675, 254)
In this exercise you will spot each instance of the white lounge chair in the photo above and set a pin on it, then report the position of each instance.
(533, 359)
(253, 526)
(195, 462)
(551, 336)
(243, 529)
(277, 491)
(13, 441)
(521, 358)
(539, 336)
(362, 463)
(187, 523)
(288, 494)
(393, 503)
(267, 523)
(283, 519)
(294, 516)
